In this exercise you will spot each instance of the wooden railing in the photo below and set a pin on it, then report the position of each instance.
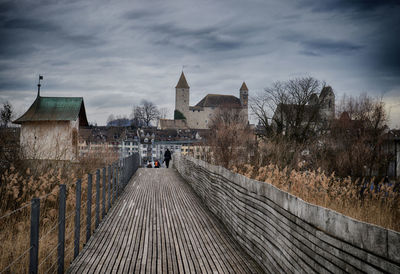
(285, 234)
(109, 184)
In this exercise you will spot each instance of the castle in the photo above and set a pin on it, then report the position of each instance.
(200, 115)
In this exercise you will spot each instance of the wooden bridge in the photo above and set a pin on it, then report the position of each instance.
(160, 225)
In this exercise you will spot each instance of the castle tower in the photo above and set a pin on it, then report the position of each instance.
(244, 95)
(182, 96)
(327, 100)
(244, 99)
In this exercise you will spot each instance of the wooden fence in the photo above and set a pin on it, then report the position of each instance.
(107, 187)
(285, 234)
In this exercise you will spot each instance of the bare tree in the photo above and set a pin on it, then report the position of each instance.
(164, 113)
(6, 114)
(145, 113)
(289, 107)
(110, 119)
(358, 137)
(230, 137)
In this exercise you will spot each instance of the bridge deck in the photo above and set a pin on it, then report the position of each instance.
(159, 225)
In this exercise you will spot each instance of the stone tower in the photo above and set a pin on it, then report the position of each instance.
(182, 96)
(244, 99)
(327, 100)
(244, 95)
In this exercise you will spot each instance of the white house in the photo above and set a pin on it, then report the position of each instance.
(49, 128)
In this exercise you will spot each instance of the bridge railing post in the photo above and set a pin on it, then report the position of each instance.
(104, 194)
(34, 244)
(89, 208)
(109, 188)
(61, 230)
(77, 218)
(117, 177)
(97, 199)
(114, 182)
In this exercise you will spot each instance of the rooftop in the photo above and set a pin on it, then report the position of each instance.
(55, 109)
(217, 100)
(182, 83)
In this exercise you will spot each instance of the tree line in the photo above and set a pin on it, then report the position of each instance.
(144, 114)
(301, 127)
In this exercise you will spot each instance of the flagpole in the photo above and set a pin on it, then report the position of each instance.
(40, 78)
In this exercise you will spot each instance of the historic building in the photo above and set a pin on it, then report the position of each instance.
(317, 113)
(199, 116)
(50, 128)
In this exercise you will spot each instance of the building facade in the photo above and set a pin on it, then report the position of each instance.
(50, 128)
(200, 115)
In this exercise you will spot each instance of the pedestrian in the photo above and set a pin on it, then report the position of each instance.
(167, 157)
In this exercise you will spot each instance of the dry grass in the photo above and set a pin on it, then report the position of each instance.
(342, 195)
(18, 187)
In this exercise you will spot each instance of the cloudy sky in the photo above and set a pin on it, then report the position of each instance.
(116, 53)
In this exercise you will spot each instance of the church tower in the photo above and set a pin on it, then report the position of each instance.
(182, 96)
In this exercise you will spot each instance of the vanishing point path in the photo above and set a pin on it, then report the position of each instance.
(159, 225)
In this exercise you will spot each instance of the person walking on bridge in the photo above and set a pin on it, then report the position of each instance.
(167, 157)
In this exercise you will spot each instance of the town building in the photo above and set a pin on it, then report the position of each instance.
(149, 143)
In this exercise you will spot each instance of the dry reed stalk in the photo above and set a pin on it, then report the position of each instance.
(19, 188)
(340, 194)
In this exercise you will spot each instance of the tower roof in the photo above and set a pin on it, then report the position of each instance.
(325, 91)
(182, 83)
(244, 87)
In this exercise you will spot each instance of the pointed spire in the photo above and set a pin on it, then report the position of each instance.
(182, 83)
(244, 87)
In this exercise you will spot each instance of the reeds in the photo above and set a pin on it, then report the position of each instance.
(18, 186)
(358, 199)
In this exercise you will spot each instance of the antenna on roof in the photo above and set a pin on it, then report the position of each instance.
(38, 86)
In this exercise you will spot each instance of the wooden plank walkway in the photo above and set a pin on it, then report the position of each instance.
(159, 225)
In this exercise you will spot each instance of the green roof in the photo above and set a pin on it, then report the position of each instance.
(55, 109)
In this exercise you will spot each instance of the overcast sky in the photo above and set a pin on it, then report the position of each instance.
(116, 53)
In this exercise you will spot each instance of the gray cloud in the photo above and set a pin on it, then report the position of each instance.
(116, 54)
(320, 47)
(352, 5)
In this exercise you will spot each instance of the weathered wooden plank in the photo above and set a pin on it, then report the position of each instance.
(159, 225)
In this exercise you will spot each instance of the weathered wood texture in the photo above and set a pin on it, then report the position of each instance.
(160, 225)
(283, 233)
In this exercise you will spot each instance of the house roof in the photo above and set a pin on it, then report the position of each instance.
(182, 83)
(55, 109)
(217, 100)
